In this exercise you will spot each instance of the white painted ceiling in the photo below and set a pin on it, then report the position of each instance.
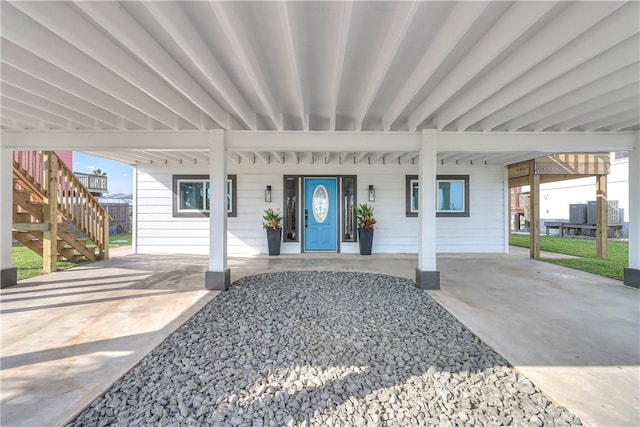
(321, 66)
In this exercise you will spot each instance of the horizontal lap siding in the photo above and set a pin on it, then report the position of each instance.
(159, 232)
(483, 230)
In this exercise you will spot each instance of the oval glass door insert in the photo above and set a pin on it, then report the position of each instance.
(320, 203)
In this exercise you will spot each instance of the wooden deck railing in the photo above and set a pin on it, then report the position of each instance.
(38, 169)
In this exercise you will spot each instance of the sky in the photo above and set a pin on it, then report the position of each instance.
(120, 175)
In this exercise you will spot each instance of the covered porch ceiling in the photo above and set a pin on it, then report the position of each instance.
(390, 67)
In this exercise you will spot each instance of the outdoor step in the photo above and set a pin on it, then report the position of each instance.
(21, 217)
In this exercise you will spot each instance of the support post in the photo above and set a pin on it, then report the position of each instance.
(427, 277)
(50, 215)
(632, 273)
(534, 212)
(507, 190)
(218, 277)
(8, 273)
(601, 216)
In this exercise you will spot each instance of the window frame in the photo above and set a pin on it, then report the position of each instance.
(343, 219)
(201, 213)
(296, 179)
(465, 197)
(410, 179)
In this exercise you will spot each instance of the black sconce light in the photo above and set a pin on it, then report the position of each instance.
(372, 194)
(267, 194)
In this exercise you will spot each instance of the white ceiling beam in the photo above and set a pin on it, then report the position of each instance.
(453, 29)
(552, 142)
(249, 157)
(176, 24)
(557, 34)
(390, 157)
(358, 157)
(20, 30)
(614, 29)
(407, 157)
(25, 120)
(598, 102)
(329, 141)
(120, 156)
(37, 68)
(114, 19)
(242, 49)
(621, 124)
(376, 156)
(278, 155)
(8, 123)
(501, 35)
(32, 111)
(55, 95)
(71, 26)
(263, 156)
(178, 141)
(606, 112)
(615, 117)
(12, 92)
(336, 75)
(402, 19)
(64, 22)
(607, 72)
(343, 156)
(293, 63)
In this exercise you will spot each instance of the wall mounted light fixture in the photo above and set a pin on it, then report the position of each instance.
(372, 194)
(267, 194)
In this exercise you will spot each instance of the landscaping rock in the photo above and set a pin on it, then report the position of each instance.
(323, 348)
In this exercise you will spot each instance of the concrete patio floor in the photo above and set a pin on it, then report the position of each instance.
(66, 337)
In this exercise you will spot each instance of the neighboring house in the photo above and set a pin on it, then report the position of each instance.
(425, 103)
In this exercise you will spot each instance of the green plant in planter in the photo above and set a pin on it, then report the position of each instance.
(366, 222)
(272, 220)
(364, 215)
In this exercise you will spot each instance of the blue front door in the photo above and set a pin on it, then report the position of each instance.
(321, 214)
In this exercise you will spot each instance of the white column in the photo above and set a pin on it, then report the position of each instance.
(632, 274)
(218, 276)
(8, 273)
(507, 208)
(427, 277)
(134, 225)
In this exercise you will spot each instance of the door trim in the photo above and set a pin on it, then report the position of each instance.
(338, 210)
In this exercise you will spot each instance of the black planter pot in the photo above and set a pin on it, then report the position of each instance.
(274, 237)
(365, 239)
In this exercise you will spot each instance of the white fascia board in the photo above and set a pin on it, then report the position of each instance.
(245, 141)
(322, 141)
(110, 140)
(553, 142)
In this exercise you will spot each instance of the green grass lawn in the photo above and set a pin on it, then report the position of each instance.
(612, 266)
(29, 263)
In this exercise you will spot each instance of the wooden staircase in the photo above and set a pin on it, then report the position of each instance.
(48, 201)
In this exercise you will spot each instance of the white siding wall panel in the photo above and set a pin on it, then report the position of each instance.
(159, 232)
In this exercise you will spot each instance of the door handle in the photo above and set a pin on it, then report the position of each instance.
(306, 218)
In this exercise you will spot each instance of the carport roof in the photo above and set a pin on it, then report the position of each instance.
(321, 66)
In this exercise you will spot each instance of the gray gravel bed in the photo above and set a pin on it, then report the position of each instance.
(323, 349)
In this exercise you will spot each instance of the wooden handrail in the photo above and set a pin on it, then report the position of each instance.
(74, 202)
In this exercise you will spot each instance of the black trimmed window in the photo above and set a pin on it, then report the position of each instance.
(349, 200)
(452, 195)
(192, 196)
(291, 201)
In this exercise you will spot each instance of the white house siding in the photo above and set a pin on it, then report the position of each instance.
(159, 232)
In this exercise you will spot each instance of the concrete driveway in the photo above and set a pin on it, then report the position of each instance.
(66, 337)
(574, 334)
